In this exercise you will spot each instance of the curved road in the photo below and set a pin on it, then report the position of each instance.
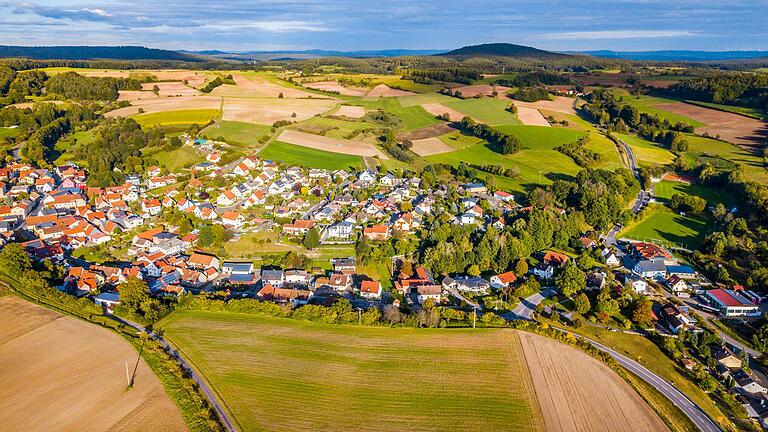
(209, 394)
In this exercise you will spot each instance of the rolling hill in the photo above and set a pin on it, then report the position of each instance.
(502, 50)
(95, 52)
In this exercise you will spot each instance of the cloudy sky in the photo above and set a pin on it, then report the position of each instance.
(374, 24)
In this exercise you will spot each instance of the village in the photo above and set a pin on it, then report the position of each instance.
(53, 214)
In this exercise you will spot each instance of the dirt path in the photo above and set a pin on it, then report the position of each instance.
(578, 393)
(60, 373)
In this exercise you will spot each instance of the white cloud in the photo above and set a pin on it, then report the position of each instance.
(99, 12)
(617, 34)
(270, 26)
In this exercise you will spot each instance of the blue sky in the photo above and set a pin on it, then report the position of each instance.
(371, 24)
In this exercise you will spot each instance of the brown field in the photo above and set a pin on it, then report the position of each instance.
(383, 90)
(336, 145)
(256, 86)
(733, 128)
(334, 86)
(531, 116)
(171, 88)
(427, 132)
(267, 111)
(658, 83)
(579, 393)
(611, 80)
(193, 78)
(559, 104)
(23, 105)
(350, 111)
(437, 109)
(481, 89)
(430, 146)
(60, 373)
(168, 104)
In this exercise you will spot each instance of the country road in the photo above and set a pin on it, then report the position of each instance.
(209, 394)
(641, 199)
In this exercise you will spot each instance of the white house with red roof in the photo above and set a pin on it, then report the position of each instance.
(370, 289)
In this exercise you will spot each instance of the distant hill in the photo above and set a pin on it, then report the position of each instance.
(502, 50)
(314, 53)
(678, 55)
(94, 52)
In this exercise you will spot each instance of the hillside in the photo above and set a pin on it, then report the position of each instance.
(678, 55)
(94, 52)
(502, 50)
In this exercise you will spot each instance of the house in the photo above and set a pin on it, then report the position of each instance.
(681, 271)
(543, 271)
(232, 219)
(587, 243)
(341, 230)
(428, 292)
(678, 286)
(404, 222)
(367, 176)
(273, 277)
(651, 269)
(732, 304)
(227, 199)
(650, 251)
(344, 265)
(295, 297)
(636, 284)
(611, 260)
(203, 261)
(503, 280)
(748, 384)
(297, 277)
(376, 232)
(725, 357)
(233, 267)
(299, 227)
(475, 188)
(107, 300)
(152, 207)
(555, 258)
(675, 319)
(503, 196)
(473, 284)
(370, 290)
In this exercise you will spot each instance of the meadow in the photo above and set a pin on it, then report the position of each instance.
(412, 117)
(486, 110)
(661, 224)
(177, 118)
(752, 164)
(647, 153)
(237, 133)
(283, 374)
(311, 158)
(665, 189)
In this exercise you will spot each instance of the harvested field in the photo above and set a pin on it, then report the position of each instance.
(579, 393)
(731, 127)
(531, 117)
(480, 90)
(23, 105)
(335, 87)
(559, 104)
(133, 95)
(350, 111)
(60, 373)
(427, 132)
(267, 111)
(383, 90)
(335, 145)
(168, 104)
(430, 146)
(437, 109)
(257, 86)
(173, 88)
(348, 378)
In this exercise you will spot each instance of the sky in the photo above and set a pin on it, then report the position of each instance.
(348, 25)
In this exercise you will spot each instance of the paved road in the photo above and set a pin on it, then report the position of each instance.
(209, 394)
(454, 292)
(527, 306)
(640, 201)
(690, 409)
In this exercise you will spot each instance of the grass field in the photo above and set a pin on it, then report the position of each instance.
(178, 117)
(752, 164)
(413, 117)
(646, 104)
(334, 128)
(419, 99)
(459, 140)
(8, 132)
(181, 157)
(281, 374)
(237, 133)
(310, 158)
(665, 189)
(487, 110)
(745, 111)
(665, 225)
(646, 152)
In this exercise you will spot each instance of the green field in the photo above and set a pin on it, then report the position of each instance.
(647, 104)
(237, 133)
(753, 165)
(334, 128)
(459, 140)
(181, 157)
(665, 189)
(419, 99)
(661, 224)
(283, 374)
(179, 117)
(413, 117)
(745, 111)
(8, 132)
(310, 158)
(486, 110)
(647, 153)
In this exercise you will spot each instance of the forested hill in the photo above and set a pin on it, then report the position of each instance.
(502, 50)
(95, 52)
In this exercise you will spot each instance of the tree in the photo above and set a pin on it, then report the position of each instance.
(311, 239)
(571, 280)
(521, 267)
(582, 303)
(473, 270)
(406, 267)
(642, 312)
(134, 293)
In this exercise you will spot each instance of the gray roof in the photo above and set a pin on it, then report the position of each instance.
(651, 266)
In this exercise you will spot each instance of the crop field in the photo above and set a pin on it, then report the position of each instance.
(154, 105)
(559, 104)
(267, 111)
(487, 110)
(328, 144)
(734, 128)
(258, 86)
(425, 98)
(646, 152)
(745, 111)
(669, 227)
(413, 117)
(431, 146)
(531, 117)
(61, 373)
(437, 109)
(179, 117)
(665, 189)
(659, 106)
(334, 86)
(751, 162)
(237, 133)
(308, 157)
(335, 127)
(459, 141)
(383, 90)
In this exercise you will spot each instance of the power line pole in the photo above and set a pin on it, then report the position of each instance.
(136, 366)
(474, 317)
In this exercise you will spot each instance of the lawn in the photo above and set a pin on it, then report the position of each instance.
(646, 104)
(237, 133)
(181, 157)
(177, 118)
(661, 224)
(491, 111)
(264, 246)
(753, 165)
(413, 117)
(665, 189)
(310, 158)
(647, 153)
(283, 374)
(8, 132)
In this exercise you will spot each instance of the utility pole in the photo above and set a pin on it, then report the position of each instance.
(127, 375)
(474, 317)
(359, 316)
(136, 366)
